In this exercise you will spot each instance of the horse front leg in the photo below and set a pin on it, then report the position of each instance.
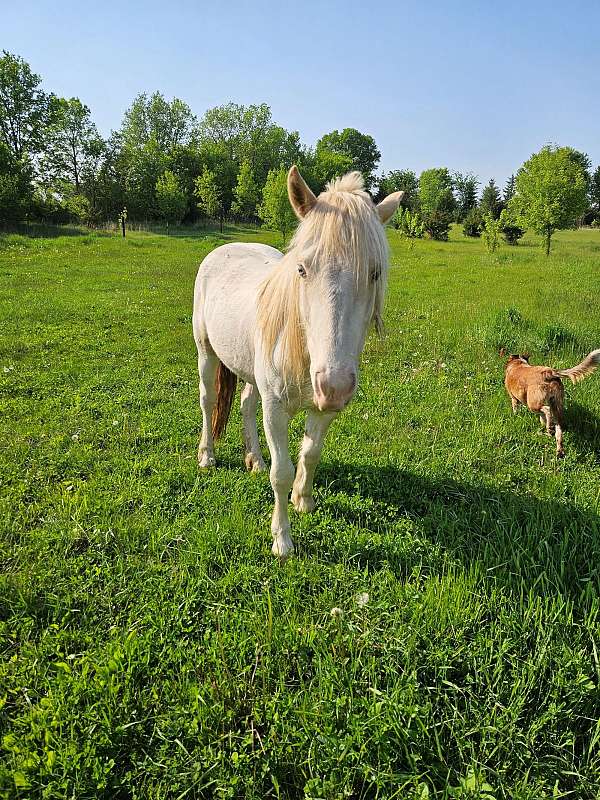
(207, 369)
(276, 421)
(317, 424)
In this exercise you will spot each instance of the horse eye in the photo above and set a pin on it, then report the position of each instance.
(302, 270)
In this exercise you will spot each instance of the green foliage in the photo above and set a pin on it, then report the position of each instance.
(509, 191)
(246, 193)
(79, 209)
(551, 192)
(511, 231)
(490, 203)
(155, 119)
(473, 223)
(208, 192)
(327, 165)
(16, 191)
(170, 198)
(275, 209)
(409, 223)
(465, 187)
(72, 146)
(492, 229)
(435, 191)
(437, 225)
(595, 189)
(23, 107)
(400, 180)
(359, 148)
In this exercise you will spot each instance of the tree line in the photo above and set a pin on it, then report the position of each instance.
(165, 164)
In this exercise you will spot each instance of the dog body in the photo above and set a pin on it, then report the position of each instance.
(541, 390)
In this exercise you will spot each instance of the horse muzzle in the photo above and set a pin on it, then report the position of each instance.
(333, 391)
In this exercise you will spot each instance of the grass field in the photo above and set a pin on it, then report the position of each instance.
(151, 645)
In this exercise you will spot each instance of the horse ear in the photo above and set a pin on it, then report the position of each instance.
(301, 197)
(387, 208)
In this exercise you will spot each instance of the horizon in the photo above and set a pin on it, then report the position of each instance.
(492, 120)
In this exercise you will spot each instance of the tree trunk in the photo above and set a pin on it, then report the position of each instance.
(548, 237)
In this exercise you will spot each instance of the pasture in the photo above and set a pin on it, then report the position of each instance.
(151, 645)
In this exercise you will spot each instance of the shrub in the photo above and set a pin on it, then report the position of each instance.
(473, 224)
(409, 223)
(437, 225)
(491, 233)
(510, 230)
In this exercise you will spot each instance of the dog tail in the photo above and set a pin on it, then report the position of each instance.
(581, 371)
(225, 384)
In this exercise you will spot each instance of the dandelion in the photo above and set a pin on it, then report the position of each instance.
(75, 437)
(336, 613)
(115, 422)
(362, 598)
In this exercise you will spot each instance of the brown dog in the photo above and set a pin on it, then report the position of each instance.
(542, 391)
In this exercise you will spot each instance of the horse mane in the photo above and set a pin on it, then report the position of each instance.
(342, 227)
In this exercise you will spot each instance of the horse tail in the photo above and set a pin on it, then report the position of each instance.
(225, 383)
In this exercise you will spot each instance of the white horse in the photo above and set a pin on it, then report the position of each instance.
(292, 327)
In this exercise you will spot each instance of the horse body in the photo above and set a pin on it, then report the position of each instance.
(292, 327)
(225, 302)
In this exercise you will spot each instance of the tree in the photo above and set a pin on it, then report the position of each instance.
(491, 232)
(153, 118)
(509, 191)
(473, 223)
(275, 209)
(246, 192)
(210, 198)
(511, 231)
(400, 180)
(23, 107)
(595, 189)
(170, 197)
(435, 191)
(359, 147)
(326, 166)
(465, 186)
(142, 168)
(550, 192)
(72, 143)
(490, 202)
(16, 190)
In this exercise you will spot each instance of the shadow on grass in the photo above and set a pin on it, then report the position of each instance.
(42, 231)
(522, 542)
(582, 427)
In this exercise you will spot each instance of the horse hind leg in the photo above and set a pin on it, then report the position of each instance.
(207, 370)
(249, 404)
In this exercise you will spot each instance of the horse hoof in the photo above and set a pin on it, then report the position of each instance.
(303, 505)
(254, 463)
(283, 546)
(205, 461)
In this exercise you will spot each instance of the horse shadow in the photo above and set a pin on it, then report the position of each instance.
(406, 522)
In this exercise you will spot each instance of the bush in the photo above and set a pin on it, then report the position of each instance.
(491, 233)
(437, 225)
(473, 224)
(510, 230)
(409, 223)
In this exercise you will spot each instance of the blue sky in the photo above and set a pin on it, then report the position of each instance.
(469, 85)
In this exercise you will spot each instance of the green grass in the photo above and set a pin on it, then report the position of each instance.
(153, 648)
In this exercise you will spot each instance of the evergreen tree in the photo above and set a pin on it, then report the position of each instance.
(509, 190)
(490, 202)
(465, 187)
